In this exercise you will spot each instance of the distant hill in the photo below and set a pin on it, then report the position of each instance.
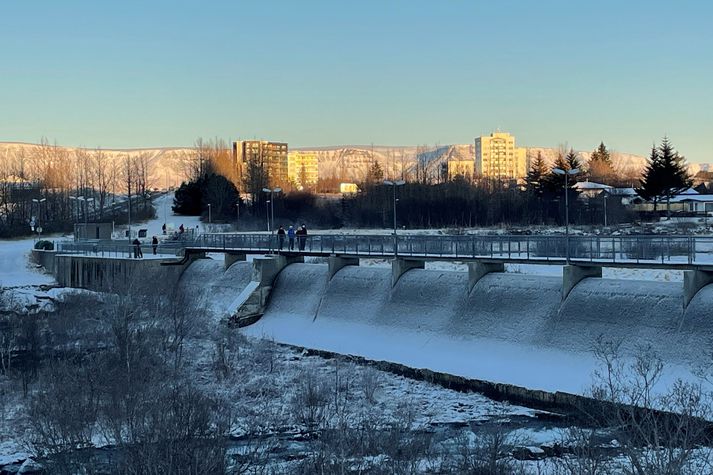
(166, 165)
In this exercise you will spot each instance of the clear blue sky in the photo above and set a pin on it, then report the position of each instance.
(162, 73)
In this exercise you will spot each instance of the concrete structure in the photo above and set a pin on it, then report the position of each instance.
(693, 282)
(477, 270)
(93, 230)
(233, 257)
(400, 266)
(463, 168)
(335, 263)
(302, 169)
(271, 155)
(116, 275)
(497, 157)
(572, 275)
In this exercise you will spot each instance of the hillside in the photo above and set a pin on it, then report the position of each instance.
(167, 165)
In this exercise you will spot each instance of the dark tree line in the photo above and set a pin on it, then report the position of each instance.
(192, 198)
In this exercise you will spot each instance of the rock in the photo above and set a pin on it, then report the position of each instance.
(29, 466)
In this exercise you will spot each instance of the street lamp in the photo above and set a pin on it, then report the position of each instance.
(394, 184)
(566, 173)
(76, 200)
(271, 201)
(38, 224)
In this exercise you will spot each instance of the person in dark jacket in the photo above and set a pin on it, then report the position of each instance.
(302, 237)
(281, 237)
(154, 244)
(137, 249)
(291, 238)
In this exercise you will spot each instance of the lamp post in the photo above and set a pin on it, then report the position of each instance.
(38, 225)
(271, 201)
(86, 211)
(210, 216)
(237, 220)
(76, 200)
(566, 173)
(267, 214)
(394, 184)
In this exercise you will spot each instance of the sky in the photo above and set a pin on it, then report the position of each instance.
(130, 74)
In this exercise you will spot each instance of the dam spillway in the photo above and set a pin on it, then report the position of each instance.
(511, 327)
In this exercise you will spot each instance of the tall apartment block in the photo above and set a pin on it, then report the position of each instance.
(302, 168)
(272, 155)
(497, 157)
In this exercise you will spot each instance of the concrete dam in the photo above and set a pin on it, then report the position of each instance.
(503, 327)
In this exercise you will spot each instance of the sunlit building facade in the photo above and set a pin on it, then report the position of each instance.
(272, 155)
(496, 156)
(302, 169)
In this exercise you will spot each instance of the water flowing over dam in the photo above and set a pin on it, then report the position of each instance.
(511, 327)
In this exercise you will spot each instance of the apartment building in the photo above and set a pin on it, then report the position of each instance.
(302, 169)
(272, 155)
(496, 156)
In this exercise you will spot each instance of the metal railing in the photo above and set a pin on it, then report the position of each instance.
(118, 249)
(649, 250)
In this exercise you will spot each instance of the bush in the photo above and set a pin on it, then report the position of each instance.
(44, 245)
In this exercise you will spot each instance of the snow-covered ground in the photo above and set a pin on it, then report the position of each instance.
(15, 267)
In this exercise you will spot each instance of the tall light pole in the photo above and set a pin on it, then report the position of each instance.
(86, 211)
(271, 216)
(566, 173)
(38, 224)
(237, 221)
(394, 184)
(76, 200)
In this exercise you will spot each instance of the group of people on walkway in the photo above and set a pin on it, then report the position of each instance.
(300, 234)
(138, 253)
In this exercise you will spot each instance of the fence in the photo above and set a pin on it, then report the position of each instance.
(650, 250)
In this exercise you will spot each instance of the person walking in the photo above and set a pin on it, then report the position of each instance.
(291, 238)
(163, 228)
(281, 236)
(181, 229)
(154, 244)
(137, 249)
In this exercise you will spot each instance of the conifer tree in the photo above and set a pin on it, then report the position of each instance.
(600, 167)
(536, 176)
(375, 174)
(666, 174)
(652, 183)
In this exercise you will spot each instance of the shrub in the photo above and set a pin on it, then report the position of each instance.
(44, 245)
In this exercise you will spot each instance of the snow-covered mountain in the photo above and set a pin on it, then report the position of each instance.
(350, 162)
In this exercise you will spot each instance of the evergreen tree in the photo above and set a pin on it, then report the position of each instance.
(536, 176)
(375, 174)
(573, 160)
(188, 199)
(601, 154)
(600, 167)
(665, 175)
(652, 182)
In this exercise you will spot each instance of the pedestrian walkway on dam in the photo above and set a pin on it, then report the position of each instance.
(582, 257)
(678, 252)
(645, 251)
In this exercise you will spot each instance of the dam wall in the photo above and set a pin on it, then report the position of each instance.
(510, 328)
